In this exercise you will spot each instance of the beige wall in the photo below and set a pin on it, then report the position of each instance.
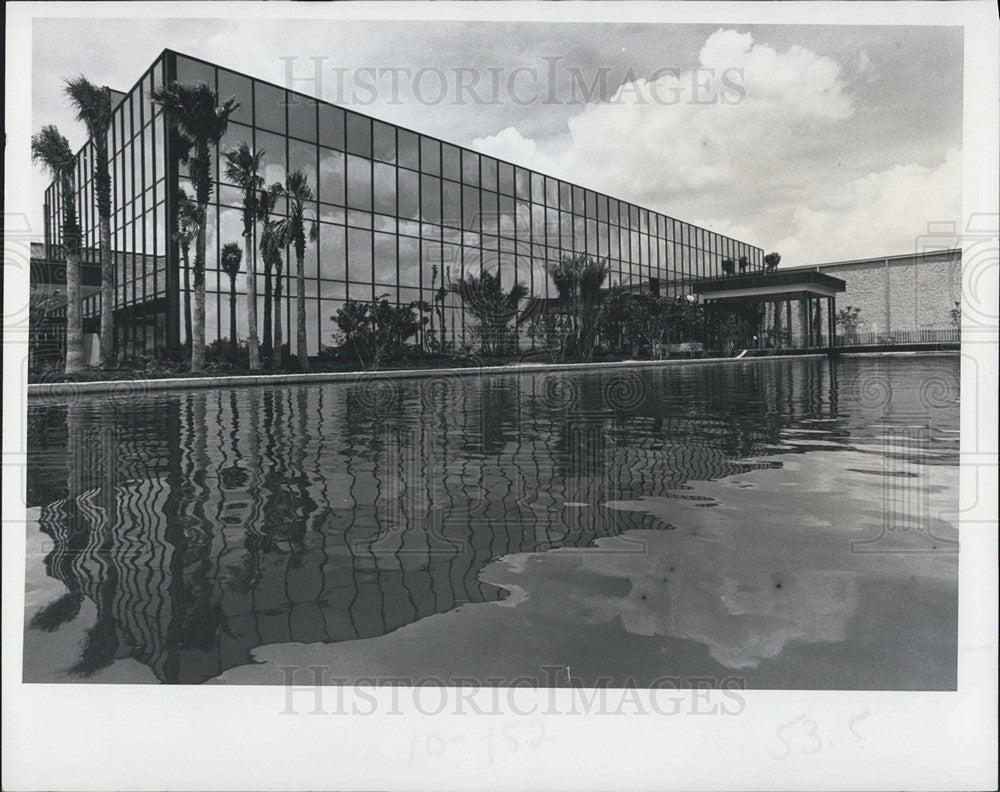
(914, 293)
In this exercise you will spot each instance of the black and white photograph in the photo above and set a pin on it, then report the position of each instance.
(518, 396)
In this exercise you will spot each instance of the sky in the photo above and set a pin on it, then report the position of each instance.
(823, 143)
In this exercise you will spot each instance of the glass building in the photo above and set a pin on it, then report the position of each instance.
(398, 213)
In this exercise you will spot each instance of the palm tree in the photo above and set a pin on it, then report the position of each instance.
(187, 230)
(242, 166)
(578, 280)
(93, 109)
(270, 249)
(51, 149)
(267, 202)
(293, 232)
(194, 113)
(486, 300)
(229, 262)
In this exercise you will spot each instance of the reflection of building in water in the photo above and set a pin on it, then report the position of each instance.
(211, 522)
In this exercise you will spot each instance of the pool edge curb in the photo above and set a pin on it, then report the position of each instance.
(39, 389)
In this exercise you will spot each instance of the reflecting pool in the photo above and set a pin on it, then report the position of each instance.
(784, 523)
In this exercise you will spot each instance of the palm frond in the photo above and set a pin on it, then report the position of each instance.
(50, 149)
(230, 259)
(93, 107)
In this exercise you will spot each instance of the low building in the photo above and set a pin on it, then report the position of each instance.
(903, 294)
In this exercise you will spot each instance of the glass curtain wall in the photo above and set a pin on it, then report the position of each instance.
(136, 158)
(398, 214)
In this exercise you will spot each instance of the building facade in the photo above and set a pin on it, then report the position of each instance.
(906, 293)
(398, 214)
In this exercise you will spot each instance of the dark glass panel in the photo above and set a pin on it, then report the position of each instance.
(383, 142)
(409, 149)
(302, 117)
(273, 164)
(269, 107)
(522, 185)
(506, 178)
(359, 256)
(470, 167)
(359, 135)
(385, 258)
(451, 208)
(430, 155)
(489, 173)
(331, 127)
(359, 183)
(409, 262)
(194, 72)
(232, 84)
(565, 196)
(302, 157)
(409, 195)
(505, 215)
(470, 208)
(430, 199)
(451, 162)
(331, 176)
(331, 252)
(385, 188)
(537, 188)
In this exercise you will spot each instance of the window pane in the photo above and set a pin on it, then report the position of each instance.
(385, 258)
(521, 183)
(331, 176)
(359, 254)
(269, 107)
(331, 251)
(450, 162)
(331, 126)
(430, 155)
(359, 183)
(408, 149)
(237, 85)
(190, 71)
(359, 135)
(430, 199)
(384, 142)
(273, 163)
(451, 209)
(385, 189)
(506, 178)
(302, 117)
(302, 157)
(470, 167)
(409, 195)
(489, 171)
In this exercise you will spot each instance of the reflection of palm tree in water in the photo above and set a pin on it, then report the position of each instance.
(353, 521)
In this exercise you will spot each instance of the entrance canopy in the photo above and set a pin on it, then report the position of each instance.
(770, 287)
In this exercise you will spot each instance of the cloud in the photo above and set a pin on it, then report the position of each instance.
(755, 143)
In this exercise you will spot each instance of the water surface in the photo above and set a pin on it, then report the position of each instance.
(787, 523)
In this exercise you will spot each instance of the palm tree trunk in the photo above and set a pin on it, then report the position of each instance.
(74, 311)
(277, 318)
(268, 308)
(107, 294)
(187, 295)
(198, 320)
(300, 311)
(232, 312)
(249, 253)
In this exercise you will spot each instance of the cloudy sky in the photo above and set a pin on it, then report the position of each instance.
(823, 143)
